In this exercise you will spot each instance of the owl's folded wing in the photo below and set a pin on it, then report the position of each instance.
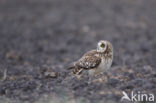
(89, 62)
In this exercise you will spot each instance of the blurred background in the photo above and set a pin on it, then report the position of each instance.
(39, 38)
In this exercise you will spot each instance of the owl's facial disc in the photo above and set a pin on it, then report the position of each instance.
(101, 47)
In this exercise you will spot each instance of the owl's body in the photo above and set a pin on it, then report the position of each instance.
(95, 61)
(103, 66)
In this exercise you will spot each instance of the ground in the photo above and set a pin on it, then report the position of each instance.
(40, 38)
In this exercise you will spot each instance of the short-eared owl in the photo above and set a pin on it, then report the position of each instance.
(95, 61)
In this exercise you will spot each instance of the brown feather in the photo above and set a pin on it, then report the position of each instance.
(88, 61)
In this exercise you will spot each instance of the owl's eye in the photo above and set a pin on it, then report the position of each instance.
(102, 45)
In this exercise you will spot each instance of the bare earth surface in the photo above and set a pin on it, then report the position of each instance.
(39, 38)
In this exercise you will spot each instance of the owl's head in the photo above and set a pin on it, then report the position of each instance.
(104, 46)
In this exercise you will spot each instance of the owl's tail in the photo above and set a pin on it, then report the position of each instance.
(77, 70)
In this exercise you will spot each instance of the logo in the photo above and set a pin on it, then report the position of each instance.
(137, 97)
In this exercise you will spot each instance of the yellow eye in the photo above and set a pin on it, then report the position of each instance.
(102, 45)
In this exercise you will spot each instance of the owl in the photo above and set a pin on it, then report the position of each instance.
(95, 61)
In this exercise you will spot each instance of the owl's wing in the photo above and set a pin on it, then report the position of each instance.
(89, 62)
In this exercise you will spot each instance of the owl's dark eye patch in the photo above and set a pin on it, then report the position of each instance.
(102, 45)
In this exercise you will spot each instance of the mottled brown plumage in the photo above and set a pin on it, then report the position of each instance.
(95, 61)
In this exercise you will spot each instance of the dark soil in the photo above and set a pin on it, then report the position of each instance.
(40, 38)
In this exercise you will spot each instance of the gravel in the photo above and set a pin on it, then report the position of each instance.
(40, 38)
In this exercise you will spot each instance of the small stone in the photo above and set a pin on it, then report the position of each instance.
(140, 75)
(48, 72)
(124, 78)
(102, 92)
(51, 74)
(13, 55)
